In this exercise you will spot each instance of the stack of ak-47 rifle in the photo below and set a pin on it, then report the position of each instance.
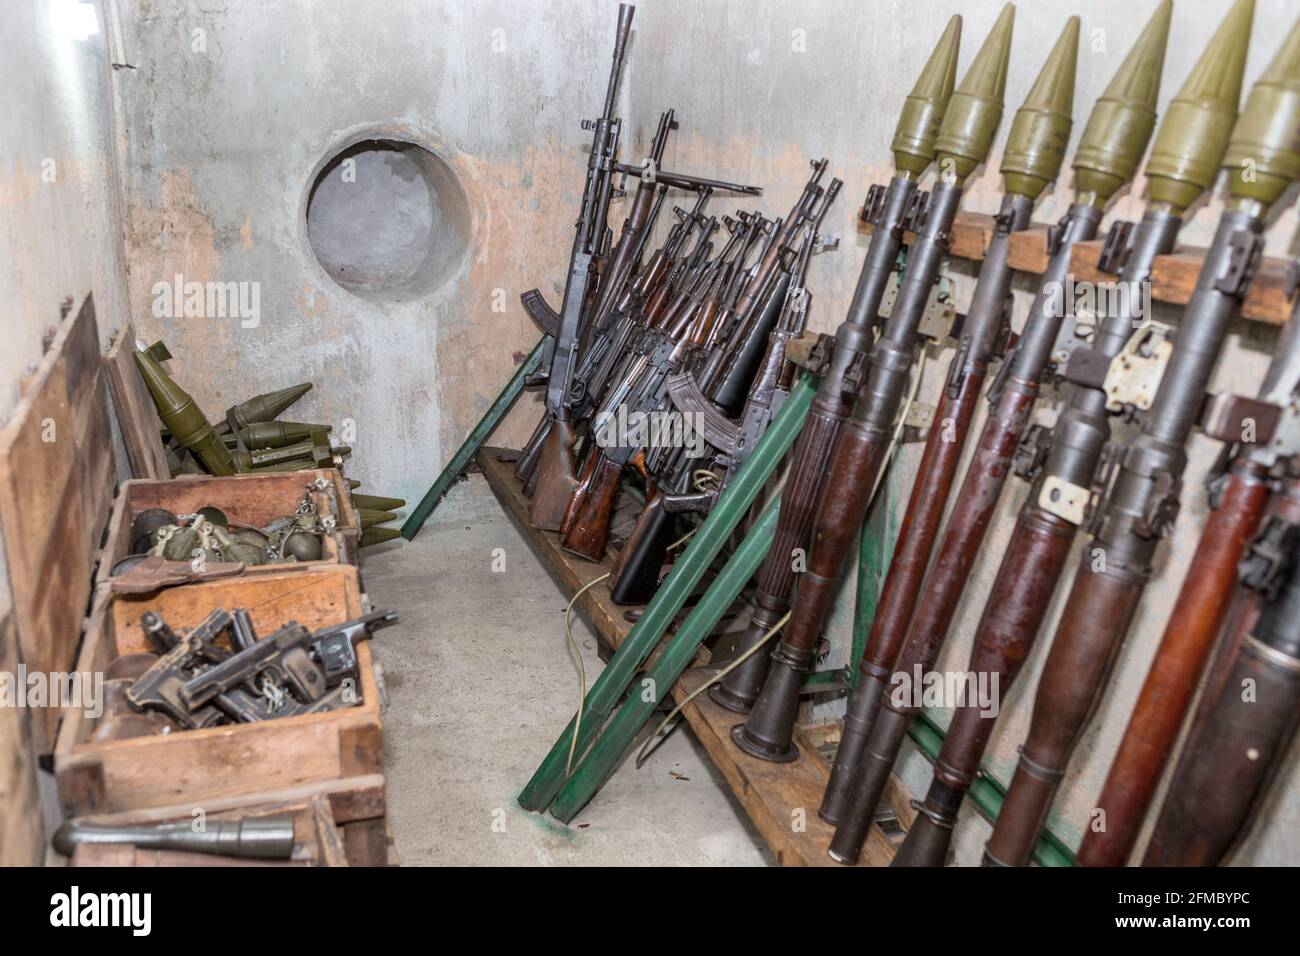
(704, 332)
(671, 362)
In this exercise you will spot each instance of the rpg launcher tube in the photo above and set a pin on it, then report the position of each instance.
(1239, 738)
(965, 136)
(914, 137)
(278, 434)
(1142, 502)
(255, 838)
(182, 416)
(265, 407)
(1113, 141)
(1032, 159)
(1040, 542)
(1202, 602)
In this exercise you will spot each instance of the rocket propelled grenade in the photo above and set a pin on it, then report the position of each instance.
(1113, 141)
(1139, 499)
(913, 147)
(182, 416)
(965, 135)
(1035, 152)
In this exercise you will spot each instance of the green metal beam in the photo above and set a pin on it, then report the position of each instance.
(678, 651)
(987, 794)
(482, 431)
(687, 572)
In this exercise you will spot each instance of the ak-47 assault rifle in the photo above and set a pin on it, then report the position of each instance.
(550, 452)
(691, 484)
(715, 331)
(688, 328)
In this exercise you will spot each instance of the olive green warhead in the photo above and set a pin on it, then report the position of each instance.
(182, 417)
(975, 109)
(355, 483)
(1121, 122)
(1264, 150)
(378, 535)
(370, 517)
(378, 502)
(1041, 130)
(1194, 133)
(264, 407)
(279, 434)
(918, 123)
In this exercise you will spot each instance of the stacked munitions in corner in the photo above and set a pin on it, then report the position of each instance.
(249, 440)
(677, 333)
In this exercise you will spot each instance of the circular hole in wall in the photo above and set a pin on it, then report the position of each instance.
(387, 219)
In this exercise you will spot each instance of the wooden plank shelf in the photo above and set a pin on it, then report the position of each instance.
(1173, 277)
(781, 799)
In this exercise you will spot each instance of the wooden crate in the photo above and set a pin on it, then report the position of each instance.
(197, 766)
(251, 499)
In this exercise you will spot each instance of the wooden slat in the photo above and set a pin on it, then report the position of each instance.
(781, 799)
(22, 837)
(572, 571)
(56, 482)
(136, 417)
(1173, 277)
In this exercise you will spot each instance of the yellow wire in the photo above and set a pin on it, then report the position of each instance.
(652, 743)
(582, 669)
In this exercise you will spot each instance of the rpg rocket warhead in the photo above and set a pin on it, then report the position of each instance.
(1193, 135)
(1264, 150)
(378, 502)
(975, 109)
(182, 416)
(370, 517)
(1121, 122)
(377, 535)
(1040, 132)
(279, 434)
(265, 407)
(918, 124)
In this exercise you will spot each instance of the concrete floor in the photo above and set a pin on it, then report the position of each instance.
(480, 681)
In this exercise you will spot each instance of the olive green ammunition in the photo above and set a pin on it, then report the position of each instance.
(355, 483)
(279, 434)
(302, 546)
(370, 516)
(1192, 137)
(378, 502)
(264, 408)
(182, 417)
(378, 535)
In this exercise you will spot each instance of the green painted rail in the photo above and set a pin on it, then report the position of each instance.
(732, 506)
(482, 431)
(604, 756)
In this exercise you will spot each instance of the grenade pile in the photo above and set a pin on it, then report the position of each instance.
(210, 535)
(249, 440)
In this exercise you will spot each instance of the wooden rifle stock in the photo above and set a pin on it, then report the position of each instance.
(588, 532)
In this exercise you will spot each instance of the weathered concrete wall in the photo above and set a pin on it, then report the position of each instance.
(60, 233)
(762, 86)
(231, 110)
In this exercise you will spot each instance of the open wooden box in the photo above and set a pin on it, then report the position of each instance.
(195, 766)
(249, 499)
(57, 474)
